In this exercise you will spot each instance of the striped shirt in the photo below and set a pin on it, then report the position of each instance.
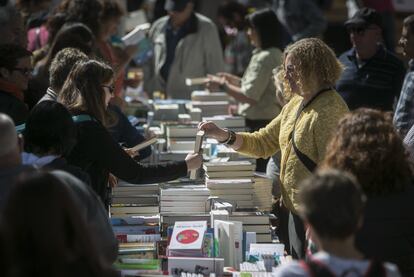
(376, 83)
(404, 113)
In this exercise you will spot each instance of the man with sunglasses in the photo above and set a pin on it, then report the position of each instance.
(15, 71)
(372, 76)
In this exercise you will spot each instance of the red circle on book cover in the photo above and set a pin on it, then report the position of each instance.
(187, 236)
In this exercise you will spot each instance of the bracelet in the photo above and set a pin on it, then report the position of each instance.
(227, 139)
(232, 138)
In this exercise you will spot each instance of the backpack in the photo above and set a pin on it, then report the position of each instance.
(316, 268)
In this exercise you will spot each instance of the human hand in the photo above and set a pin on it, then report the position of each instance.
(211, 130)
(194, 161)
(214, 82)
(112, 180)
(132, 153)
(230, 78)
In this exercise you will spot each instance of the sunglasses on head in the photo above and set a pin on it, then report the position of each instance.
(111, 89)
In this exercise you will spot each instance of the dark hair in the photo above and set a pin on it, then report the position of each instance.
(111, 9)
(61, 66)
(229, 8)
(409, 23)
(74, 35)
(49, 129)
(46, 231)
(367, 145)
(264, 21)
(10, 55)
(83, 11)
(83, 90)
(332, 202)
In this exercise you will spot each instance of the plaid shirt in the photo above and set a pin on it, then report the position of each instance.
(404, 113)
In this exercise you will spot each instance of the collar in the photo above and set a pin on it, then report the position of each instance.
(32, 159)
(11, 89)
(189, 27)
(381, 53)
(52, 93)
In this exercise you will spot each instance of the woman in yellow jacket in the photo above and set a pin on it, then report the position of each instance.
(310, 70)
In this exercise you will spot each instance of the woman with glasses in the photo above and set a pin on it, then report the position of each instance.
(255, 91)
(86, 94)
(301, 130)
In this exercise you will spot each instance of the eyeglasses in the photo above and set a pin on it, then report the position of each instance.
(25, 71)
(359, 30)
(111, 89)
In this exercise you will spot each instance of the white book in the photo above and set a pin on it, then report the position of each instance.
(144, 144)
(179, 131)
(134, 209)
(227, 121)
(234, 197)
(181, 204)
(230, 190)
(229, 166)
(197, 209)
(197, 148)
(137, 34)
(200, 198)
(228, 235)
(188, 235)
(203, 95)
(229, 174)
(186, 190)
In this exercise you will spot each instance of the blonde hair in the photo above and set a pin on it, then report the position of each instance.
(316, 65)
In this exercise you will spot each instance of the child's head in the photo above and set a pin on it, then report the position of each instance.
(332, 203)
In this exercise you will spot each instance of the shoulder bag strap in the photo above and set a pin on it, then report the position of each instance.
(308, 162)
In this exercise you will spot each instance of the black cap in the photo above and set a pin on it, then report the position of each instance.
(365, 17)
(176, 5)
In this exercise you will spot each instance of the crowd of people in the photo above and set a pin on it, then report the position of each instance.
(336, 132)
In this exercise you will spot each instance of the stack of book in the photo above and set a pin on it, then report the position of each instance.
(131, 199)
(180, 137)
(138, 237)
(235, 123)
(211, 108)
(204, 95)
(262, 197)
(237, 191)
(187, 199)
(229, 170)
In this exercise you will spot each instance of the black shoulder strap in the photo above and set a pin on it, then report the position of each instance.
(316, 269)
(308, 162)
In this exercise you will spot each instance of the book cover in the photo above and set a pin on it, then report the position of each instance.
(197, 148)
(188, 235)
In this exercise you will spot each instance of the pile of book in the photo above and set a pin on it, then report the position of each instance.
(235, 123)
(138, 237)
(204, 95)
(180, 140)
(262, 197)
(185, 199)
(211, 108)
(128, 199)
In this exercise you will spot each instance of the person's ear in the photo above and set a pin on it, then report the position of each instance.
(4, 73)
(20, 142)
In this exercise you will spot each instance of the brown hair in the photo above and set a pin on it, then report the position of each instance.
(367, 145)
(315, 64)
(111, 9)
(83, 92)
(323, 205)
(45, 233)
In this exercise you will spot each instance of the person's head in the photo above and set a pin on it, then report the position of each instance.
(15, 65)
(74, 35)
(110, 18)
(89, 88)
(407, 37)
(308, 66)
(365, 31)
(332, 203)
(32, 6)
(45, 230)
(82, 11)
(12, 28)
(232, 14)
(179, 11)
(11, 143)
(61, 66)
(367, 145)
(261, 31)
(49, 130)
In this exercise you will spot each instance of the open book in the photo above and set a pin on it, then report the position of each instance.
(136, 35)
(197, 148)
(144, 144)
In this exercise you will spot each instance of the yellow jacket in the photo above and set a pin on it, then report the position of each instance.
(313, 131)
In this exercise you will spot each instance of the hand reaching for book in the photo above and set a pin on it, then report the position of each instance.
(213, 131)
(194, 161)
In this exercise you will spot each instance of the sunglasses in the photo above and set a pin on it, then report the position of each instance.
(359, 30)
(25, 71)
(111, 89)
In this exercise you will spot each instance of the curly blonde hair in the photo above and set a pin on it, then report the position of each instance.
(316, 65)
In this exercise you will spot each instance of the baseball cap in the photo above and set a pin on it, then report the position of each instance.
(365, 17)
(176, 5)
